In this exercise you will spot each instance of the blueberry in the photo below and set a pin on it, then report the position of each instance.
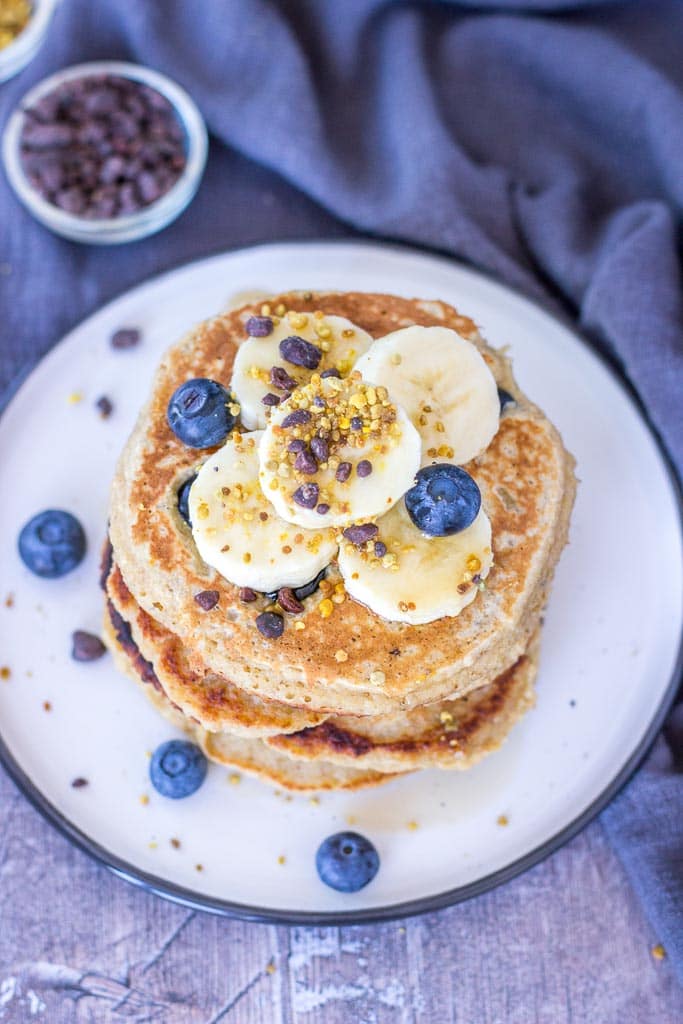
(184, 499)
(347, 861)
(198, 413)
(302, 592)
(444, 500)
(505, 399)
(177, 769)
(52, 543)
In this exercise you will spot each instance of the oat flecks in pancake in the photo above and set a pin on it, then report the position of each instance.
(527, 484)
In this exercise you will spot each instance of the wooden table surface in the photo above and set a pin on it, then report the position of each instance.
(567, 942)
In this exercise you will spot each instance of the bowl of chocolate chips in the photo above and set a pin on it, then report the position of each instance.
(105, 152)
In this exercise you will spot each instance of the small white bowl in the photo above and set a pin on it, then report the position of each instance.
(110, 230)
(16, 56)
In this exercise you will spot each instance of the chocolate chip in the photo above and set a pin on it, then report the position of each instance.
(300, 352)
(271, 400)
(279, 378)
(207, 599)
(322, 509)
(361, 533)
(343, 472)
(332, 372)
(247, 595)
(71, 200)
(320, 449)
(104, 407)
(356, 423)
(364, 468)
(288, 601)
(125, 337)
(380, 548)
(296, 418)
(79, 783)
(86, 646)
(112, 169)
(149, 188)
(297, 445)
(270, 624)
(46, 136)
(259, 326)
(305, 462)
(307, 495)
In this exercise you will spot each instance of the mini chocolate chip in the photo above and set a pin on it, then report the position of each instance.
(360, 533)
(86, 646)
(125, 337)
(356, 423)
(259, 326)
(279, 378)
(320, 449)
(247, 595)
(364, 468)
(319, 401)
(322, 509)
(297, 445)
(271, 399)
(331, 373)
(207, 599)
(270, 624)
(104, 407)
(380, 548)
(296, 418)
(300, 352)
(79, 783)
(305, 462)
(288, 601)
(343, 472)
(307, 495)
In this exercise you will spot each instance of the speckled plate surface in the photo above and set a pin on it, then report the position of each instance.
(611, 644)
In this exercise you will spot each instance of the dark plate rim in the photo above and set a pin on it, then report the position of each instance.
(427, 904)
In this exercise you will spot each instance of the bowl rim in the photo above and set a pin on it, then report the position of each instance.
(161, 210)
(16, 55)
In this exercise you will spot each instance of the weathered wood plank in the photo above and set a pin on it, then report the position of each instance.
(565, 943)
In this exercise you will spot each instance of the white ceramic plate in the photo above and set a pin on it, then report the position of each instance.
(610, 646)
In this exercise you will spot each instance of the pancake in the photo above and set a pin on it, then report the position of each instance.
(210, 700)
(452, 734)
(249, 755)
(527, 484)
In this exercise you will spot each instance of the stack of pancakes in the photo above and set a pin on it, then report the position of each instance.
(438, 695)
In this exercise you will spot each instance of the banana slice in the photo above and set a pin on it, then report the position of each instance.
(405, 576)
(338, 451)
(262, 371)
(237, 531)
(445, 386)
